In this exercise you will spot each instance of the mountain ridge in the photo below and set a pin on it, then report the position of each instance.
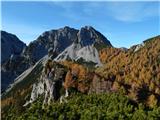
(119, 73)
(50, 39)
(11, 48)
(133, 72)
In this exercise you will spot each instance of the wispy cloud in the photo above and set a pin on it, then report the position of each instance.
(133, 11)
(127, 11)
(70, 9)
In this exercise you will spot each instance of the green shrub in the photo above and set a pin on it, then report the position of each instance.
(109, 106)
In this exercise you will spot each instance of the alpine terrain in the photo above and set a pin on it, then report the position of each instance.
(71, 74)
(17, 57)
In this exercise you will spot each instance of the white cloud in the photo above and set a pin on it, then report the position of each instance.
(69, 10)
(127, 11)
(133, 11)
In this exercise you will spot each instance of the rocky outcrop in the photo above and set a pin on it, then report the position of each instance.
(136, 48)
(50, 82)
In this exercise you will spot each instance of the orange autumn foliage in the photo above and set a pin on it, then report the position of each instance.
(136, 68)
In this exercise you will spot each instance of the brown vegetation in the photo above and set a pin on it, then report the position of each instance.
(138, 72)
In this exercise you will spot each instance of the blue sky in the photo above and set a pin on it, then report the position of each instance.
(123, 23)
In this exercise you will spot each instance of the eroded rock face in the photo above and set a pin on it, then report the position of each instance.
(62, 38)
(17, 60)
(88, 35)
(86, 46)
(11, 61)
(12, 69)
(76, 52)
(10, 44)
(56, 39)
(50, 83)
(37, 90)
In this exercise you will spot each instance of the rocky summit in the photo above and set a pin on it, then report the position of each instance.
(18, 57)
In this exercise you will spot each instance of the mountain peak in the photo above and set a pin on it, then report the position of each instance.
(59, 40)
(67, 27)
(10, 44)
(88, 27)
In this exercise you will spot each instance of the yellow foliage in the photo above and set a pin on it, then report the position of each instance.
(157, 90)
(152, 100)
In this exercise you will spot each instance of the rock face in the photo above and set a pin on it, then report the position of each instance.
(48, 85)
(11, 48)
(10, 45)
(76, 52)
(85, 47)
(58, 40)
(16, 60)
(11, 69)
(88, 35)
(62, 38)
